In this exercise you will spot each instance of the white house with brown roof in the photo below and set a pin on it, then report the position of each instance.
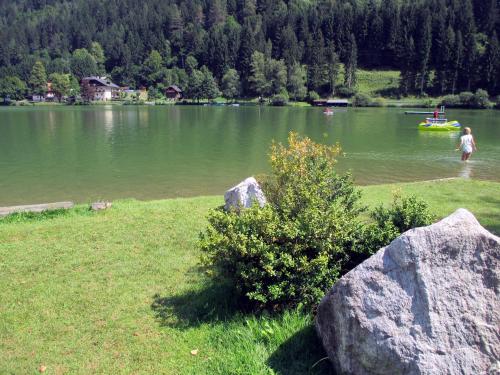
(99, 89)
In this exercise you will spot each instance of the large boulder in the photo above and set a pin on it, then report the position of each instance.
(426, 304)
(244, 195)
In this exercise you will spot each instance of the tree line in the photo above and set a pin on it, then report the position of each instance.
(254, 47)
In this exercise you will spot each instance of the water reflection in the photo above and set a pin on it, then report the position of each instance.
(465, 170)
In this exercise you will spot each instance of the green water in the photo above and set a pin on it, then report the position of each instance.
(109, 152)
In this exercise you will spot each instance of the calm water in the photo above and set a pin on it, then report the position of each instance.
(110, 152)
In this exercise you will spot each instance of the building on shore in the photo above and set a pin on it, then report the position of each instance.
(99, 89)
(173, 92)
(331, 103)
(49, 95)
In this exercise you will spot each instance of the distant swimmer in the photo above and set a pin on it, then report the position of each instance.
(467, 144)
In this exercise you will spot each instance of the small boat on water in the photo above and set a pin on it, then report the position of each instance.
(328, 111)
(439, 124)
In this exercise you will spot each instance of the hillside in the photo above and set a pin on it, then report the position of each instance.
(157, 43)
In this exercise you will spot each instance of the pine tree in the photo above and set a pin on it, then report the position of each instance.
(423, 49)
(317, 60)
(465, 18)
(209, 87)
(297, 79)
(98, 53)
(492, 64)
(247, 48)
(351, 63)
(456, 61)
(258, 79)
(332, 68)
(152, 68)
(38, 79)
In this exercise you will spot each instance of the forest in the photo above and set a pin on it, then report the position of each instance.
(254, 47)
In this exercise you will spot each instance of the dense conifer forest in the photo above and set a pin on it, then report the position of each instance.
(254, 47)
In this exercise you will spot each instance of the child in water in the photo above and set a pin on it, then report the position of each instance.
(467, 144)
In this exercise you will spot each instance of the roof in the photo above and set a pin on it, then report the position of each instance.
(175, 88)
(102, 80)
(337, 101)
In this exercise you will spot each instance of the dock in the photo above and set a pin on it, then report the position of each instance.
(422, 113)
(4, 211)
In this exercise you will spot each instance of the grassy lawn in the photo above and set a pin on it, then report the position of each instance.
(120, 291)
(377, 82)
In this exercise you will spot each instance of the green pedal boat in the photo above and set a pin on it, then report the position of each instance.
(439, 124)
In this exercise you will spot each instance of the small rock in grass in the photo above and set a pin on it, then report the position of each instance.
(97, 206)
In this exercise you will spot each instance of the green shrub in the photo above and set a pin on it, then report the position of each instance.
(346, 92)
(480, 99)
(362, 100)
(291, 251)
(405, 213)
(379, 102)
(280, 99)
(466, 99)
(451, 101)
(312, 95)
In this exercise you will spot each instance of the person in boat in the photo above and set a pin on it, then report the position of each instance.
(328, 110)
(467, 144)
(436, 114)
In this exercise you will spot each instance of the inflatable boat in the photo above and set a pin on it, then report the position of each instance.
(439, 124)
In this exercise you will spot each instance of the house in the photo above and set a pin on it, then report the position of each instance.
(330, 103)
(49, 95)
(99, 89)
(173, 92)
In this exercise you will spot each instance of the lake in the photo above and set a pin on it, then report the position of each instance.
(55, 153)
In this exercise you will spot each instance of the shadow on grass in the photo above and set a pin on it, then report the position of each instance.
(301, 354)
(210, 304)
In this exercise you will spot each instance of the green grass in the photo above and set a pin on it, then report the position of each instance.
(377, 82)
(120, 291)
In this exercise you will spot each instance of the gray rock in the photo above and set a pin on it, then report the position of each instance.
(244, 194)
(97, 206)
(426, 304)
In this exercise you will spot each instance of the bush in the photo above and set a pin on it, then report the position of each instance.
(379, 102)
(346, 92)
(291, 251)
(362, 100)
(497, 102)
(451, 101)
(405, 213)
(466, 99)
(280, 99)
(154, 94)
(312, 95)
(480, 99)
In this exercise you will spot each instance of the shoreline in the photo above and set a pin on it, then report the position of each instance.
(377, 102)
(389, 189)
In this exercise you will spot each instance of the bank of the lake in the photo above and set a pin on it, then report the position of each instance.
(120, 291)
